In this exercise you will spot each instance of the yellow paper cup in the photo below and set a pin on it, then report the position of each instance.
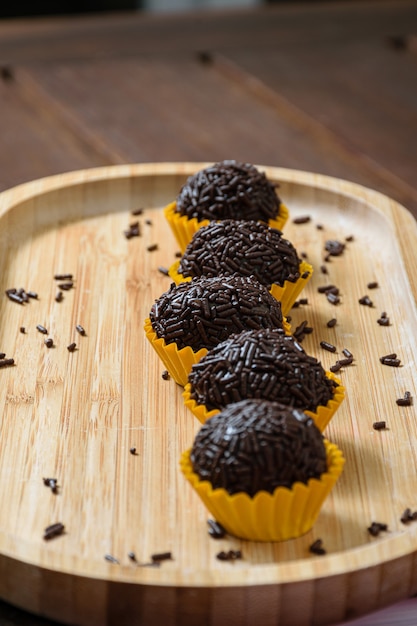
(324, 414)
(321, 416)
(287, 294)
(184, 228)
(278, 516)
(177, 362)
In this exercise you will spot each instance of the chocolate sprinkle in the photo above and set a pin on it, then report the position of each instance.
(247, 248)
(215, 529)
(366, 301)
(347, 361)
(334, 247)
(332, 298)
(391, 360)
(72, 346)
(379, 425)
(52, 483)
(132, 231)
(54, 530)
(302, 330)
(336, 367)
(6, 362)
(377, 527)
(407, 400)
(42, 329)
(329, 289)
(20, 295)
(342, 362)
(111, 559)
(255, 445)
(63, 276)
(317, 547)
(372, 285)
(205, 311)
(328, 346)
(230, 555)
(303, 219)
(12, 295)
(66, 286)
(228, 190)
(152, 247)
(161, 556)
(408, 516)
(80, 330)
(165, 375)
(49, 342)
(263, 364)
(331, 323)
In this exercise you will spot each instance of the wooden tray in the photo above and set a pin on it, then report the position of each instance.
(75, 416)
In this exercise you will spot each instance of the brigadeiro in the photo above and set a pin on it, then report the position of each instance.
(265, 364)
(248, 248)
(192, 317)
(225, 190)
(262, 469)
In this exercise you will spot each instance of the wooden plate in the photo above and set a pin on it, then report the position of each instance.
(76, 415)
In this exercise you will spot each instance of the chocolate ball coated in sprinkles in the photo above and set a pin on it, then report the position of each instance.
(256, 445)
(248, 248)
(264, 364)
(205, 311)
(228, 189)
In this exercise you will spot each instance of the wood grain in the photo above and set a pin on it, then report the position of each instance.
(76, 415)
(314, 87)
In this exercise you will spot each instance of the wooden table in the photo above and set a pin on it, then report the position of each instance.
(329, 88)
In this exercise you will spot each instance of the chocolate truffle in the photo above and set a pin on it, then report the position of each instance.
(245, 247)
(263, 364)
(228, 189)
(256, 445)
(205, 311)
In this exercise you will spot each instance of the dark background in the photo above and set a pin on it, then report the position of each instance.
(20, 8)
(29, 8)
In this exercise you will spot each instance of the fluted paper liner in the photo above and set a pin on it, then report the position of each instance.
(321, 416)
(287, 294)
(184, 228)
(177, 362)
(278, 516)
